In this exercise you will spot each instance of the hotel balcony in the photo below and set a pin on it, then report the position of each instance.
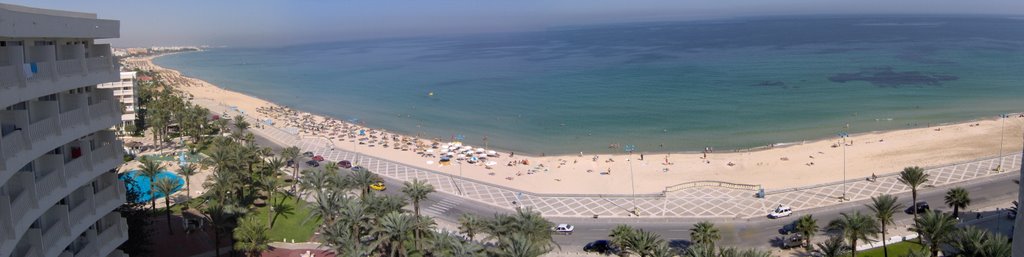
(55, 176)
(29, 136)
(34, 71)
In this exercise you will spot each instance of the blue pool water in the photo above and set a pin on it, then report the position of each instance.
(142, 184)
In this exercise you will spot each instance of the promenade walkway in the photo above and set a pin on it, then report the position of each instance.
(699, 200)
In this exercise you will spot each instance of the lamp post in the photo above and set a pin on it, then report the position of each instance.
(632, 182)
(1002, 118)
(844, 135)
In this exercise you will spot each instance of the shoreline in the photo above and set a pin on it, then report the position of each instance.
(783, 166)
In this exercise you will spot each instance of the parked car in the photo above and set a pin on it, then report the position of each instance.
(563, 229)
(313, 163)
(318, 158)
(379, 186)
(921, 208)
(788, 228)
(308, 154)
(601, 246)
(781, 211)
(345, 164)
(793, 241)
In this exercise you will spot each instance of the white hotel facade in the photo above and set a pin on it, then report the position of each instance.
(58, 156)
(124, 92)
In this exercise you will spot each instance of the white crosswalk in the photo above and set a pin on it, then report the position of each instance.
(438, 209)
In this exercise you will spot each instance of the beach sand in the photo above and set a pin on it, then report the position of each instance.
(777, 168)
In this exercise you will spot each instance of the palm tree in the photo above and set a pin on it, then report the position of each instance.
(663, 250)
(187, 171)
(363, 178)
(833, 247)
(469, 225)
(996, 245)
(884, 207)
(166, 187)
(855, 227)
(935, 229)
(240, 124)
(291, 154)
(957, 198)
(806, 225)
(913, 177)
(417, 190)
(520, 245)
(705, 233)
(251, 237)
(620, 234)
(151, 169)
(219, 213)
(280, 208)
(643, 242)
(394, 229)
(969, 241)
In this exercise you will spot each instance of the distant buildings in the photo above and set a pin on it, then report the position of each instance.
(124, 92)
(145, 51)
(58, 184)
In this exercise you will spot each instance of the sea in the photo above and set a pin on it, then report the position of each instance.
(729, 84)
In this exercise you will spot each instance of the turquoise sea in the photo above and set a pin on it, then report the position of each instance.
(662, 86)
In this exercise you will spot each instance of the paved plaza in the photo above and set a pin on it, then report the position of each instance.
(704, 200)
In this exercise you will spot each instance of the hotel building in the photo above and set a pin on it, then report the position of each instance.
(58, 156)
(124, 92)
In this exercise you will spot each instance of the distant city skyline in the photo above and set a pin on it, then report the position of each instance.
(267, 22)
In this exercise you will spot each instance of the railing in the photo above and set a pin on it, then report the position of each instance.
(9, 76)
(44, 70)
(720, 184)
(6, 219)
(97, 63)
(108, 156)
(104, 109)
(111, 195)
(69, 67)
(76, 168)
(113, 235)
(44, 128)
(24, 201)
(84, 209)
(73, 118)
(50, 184)
(14, 143)
(57, 230)
(89, 250)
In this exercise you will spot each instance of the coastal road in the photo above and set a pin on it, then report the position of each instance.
(997, 190)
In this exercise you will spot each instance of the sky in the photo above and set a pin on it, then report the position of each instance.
(280, 22)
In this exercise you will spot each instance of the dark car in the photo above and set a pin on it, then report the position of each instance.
(313, 163)
(793, 241)
(788, 228)
(600, 246)
(921, 208)
(345, 164)
(308, 154)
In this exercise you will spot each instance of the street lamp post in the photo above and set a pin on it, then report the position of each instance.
(1002, 118)
(844, 135)
(632, 182)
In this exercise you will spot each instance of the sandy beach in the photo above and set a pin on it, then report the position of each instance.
(806, 163)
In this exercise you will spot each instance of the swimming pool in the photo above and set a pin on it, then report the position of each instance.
(141, 183)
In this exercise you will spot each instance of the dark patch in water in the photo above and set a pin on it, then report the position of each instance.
(770, 83)
(886, 77)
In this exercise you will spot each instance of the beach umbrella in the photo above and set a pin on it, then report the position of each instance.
(481, 156)
(430, 150)
(480, 150)
(492, 153)
(490, 163)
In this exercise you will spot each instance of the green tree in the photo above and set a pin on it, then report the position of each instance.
(187, 171)
(166, 187)
(806, 225)
(363, 178)
(835, 246)
(935, 229)
(469, 225)
(957, 198)
(394, 231)
(291, 154)
(913, 177)
(643, 243)
(251, 237)
(619, 235)
(521, 245)
(150, 169)
(705, 233)
(280, 208)
(854, 228)
(884, 207)
(417, 190)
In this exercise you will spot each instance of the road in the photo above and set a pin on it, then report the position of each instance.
(998, 190)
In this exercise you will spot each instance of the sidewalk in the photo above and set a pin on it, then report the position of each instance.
(694, 202)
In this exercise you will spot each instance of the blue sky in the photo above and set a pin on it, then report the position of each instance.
(269, 22)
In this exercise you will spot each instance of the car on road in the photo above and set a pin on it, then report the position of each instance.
(379, 186)
(781, 211)
(793, 241)
(313, 163)
(345, 164)
(788, 228)
(318, 158)
(563, 229)
(921, 208)
(308, 154)
(601, 246)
